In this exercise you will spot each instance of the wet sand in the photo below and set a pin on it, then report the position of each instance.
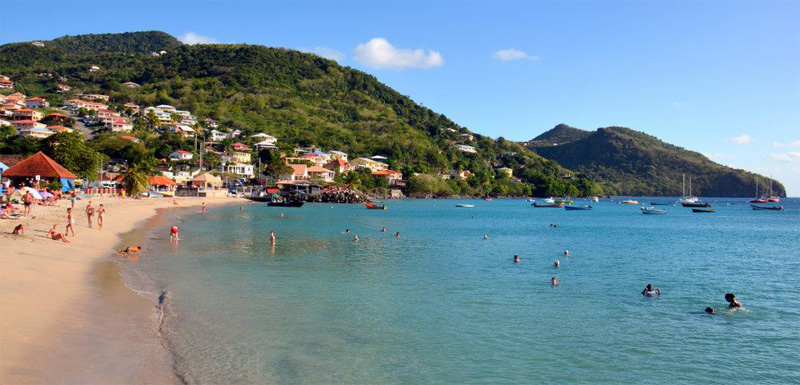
(66, 315)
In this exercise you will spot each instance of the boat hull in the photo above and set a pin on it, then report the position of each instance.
(767, 208)
(689, 204)
(571, 208)
(703, 211)
(652, 211)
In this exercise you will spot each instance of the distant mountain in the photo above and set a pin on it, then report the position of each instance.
(629, 162)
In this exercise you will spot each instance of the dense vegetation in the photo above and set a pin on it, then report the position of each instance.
(301, 98)
(634, 163)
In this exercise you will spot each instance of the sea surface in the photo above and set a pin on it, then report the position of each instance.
(441, 305)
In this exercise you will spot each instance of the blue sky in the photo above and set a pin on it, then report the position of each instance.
(721, 78)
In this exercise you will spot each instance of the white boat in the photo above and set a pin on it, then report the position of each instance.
(629, 202)
(687, 198)
(548, 201)
(653, 211)
(465, 206)
(595, 199)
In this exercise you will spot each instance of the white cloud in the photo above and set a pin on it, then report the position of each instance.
(680, 105)
(796, 143)
(513, 54)
(789, 157)
(379, 53)
(742, 139)
(192, 38)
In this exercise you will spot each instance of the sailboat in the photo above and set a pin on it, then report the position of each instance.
(771, 197)
(691, 201)
(757, 199)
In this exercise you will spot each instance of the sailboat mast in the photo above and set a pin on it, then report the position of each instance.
(683, 185)
(690, 187)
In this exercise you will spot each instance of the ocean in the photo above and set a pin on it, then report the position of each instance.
(441, 305)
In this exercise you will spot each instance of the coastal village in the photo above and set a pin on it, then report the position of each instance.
(308, 169)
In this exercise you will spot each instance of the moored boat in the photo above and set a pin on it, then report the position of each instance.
(595, 199)
(551, 205)
(695, 204)
(703, 211)
(770, 208)
(629, 202)
(589, 207)
(465, 206)
(373, 206)
(653, 211)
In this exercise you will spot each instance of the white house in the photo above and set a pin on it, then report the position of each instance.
(217, 136)
(466, 148)
(181, 155)
(320, 174)
(338, 155)
(373, 165)
(118, 125)
(183, 130)
(35, 132)
(466, 137)
(234, 134)
(265, 145)
(265, 138)
(240, 169)
(131, 85)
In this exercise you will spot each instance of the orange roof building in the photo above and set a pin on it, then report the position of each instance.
(38, 164)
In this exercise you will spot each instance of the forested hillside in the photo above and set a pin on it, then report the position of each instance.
(301, 98)
(633, 163)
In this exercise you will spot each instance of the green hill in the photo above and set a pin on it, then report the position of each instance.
(633, 163)
(301, 98)
(561, 133)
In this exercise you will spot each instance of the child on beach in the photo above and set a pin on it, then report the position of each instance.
(173, 234)
(19, 230)
(100, 214)
(89, 213)
(70, 223)
(56, 236)
(131, 250)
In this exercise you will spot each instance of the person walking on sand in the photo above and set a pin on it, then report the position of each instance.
(101, 212)
(174, 202)
(73, 197)
(27, 201)
(70, 223)
(272, 238)
(56, 236)
(89, 213)
(173, 233)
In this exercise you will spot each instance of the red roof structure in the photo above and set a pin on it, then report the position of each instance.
(159, 180)
(39, 164)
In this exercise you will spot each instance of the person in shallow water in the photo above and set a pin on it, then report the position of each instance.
(272, 238)
(355, 238)
(516, 258)
(732, 302)
(557, 265)
(383, 230)
(566, 253)
(485, 237)
(397, 234)
(347, 231)
(554, 281)
(710, 310)
(650, 292)
(173, 233)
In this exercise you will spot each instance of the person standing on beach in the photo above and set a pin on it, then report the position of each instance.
(70, 223)
(272, 238)
(101, 211)
(27, 201)
(73, 197)
(89, 213)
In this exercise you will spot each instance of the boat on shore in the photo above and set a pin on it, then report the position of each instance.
(373, 206)
(570, 207)
(703, 211)
(769, 208)
(653, 211)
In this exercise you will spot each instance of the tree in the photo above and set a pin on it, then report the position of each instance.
(136, 180)
(69, 149)
(7, 131)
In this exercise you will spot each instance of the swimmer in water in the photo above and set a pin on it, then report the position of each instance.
(241, 208)
(383, 230)
(554, 281)
(204, 207)
(710, 310)
(732, 302)
(650, 292)
(397, 234)
(347, 231)
(272, 238)
(566, 253)
(355, 238)
(557, 265)
(173, 233)
(516, 258)
(485, 237)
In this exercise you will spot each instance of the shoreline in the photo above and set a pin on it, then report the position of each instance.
(67, 313)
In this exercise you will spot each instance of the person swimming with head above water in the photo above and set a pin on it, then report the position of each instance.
(516, 258)
(649, 291)
(710, 310)
(732, 302)
(554, 281)
(383, 230)
(566, 253)
(557, 265)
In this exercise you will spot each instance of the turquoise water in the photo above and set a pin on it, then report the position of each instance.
(440, 305)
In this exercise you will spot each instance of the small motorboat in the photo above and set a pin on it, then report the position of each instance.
(770, 208)
(570, 207)
(760, 200)
(703, 211)
(653, 211)
(373, 206)
(695, 204)
(465, 206)
(488, 199)
(286, 204)
(550, 205)
(629, 202)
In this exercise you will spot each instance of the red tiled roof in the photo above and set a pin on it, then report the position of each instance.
(57, 114)
(38, 164)
(160, 180)
(317, 169)
(23, 122)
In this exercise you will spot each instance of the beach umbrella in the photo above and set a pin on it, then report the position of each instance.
(33, 192)
(46, 194)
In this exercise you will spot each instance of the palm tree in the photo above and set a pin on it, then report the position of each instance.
(136, 180)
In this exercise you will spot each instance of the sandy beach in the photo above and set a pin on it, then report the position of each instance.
(65, 314)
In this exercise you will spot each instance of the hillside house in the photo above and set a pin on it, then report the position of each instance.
(131, 85)
(181, 155)
(36, 102)
(318, 173)
(505, 171)
(35, 132)
(217, 136)
(27, 114)
(339, 165)
(338, 155)
(119, 125)
(241, 169)
(466, 148)
(371, 164)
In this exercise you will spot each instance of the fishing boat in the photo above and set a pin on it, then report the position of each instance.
(465, 206)
(373, 206)
(570, 207)
(703, 211)
(653, 211)
(550, 205)
(286, 204)
(629, 202)
(770, 208)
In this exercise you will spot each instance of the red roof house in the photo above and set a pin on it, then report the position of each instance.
(39, 164)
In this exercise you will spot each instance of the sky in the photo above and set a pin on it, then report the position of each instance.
(718, 77)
